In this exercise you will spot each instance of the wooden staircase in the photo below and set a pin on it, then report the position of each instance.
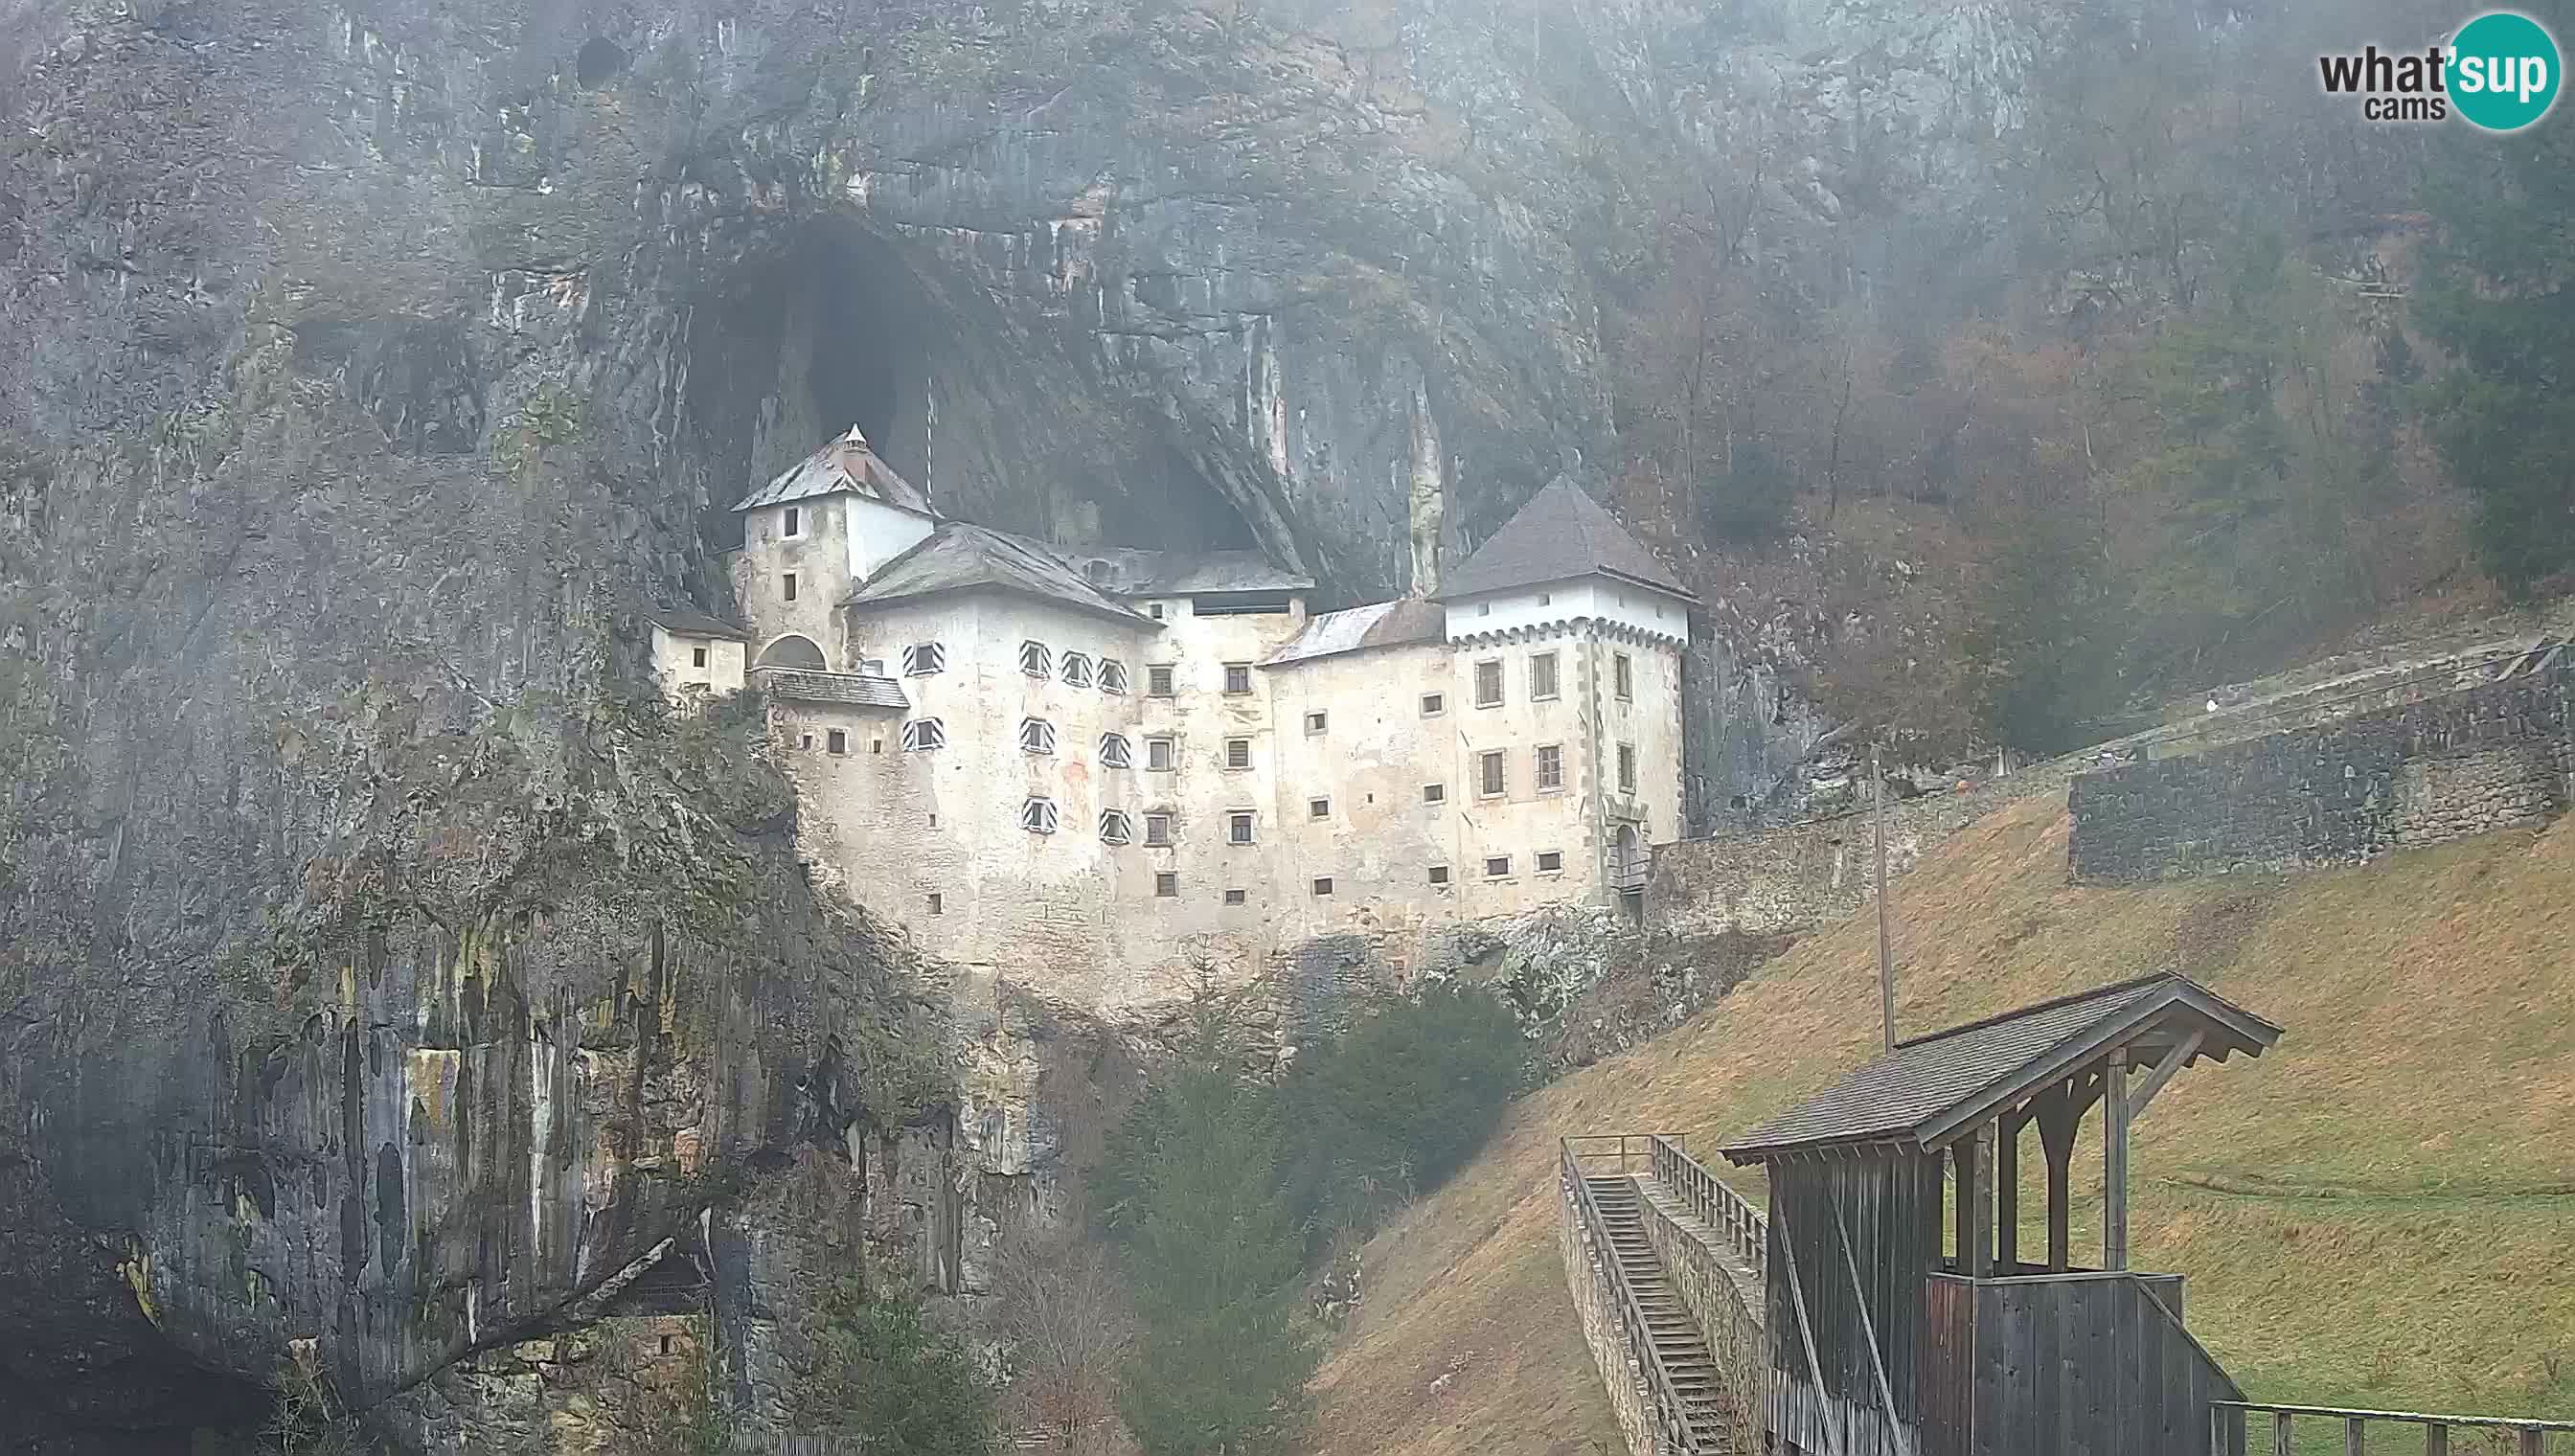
(1678, 1342)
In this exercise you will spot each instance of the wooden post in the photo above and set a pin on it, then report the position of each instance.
(2115, 1160)
(2355, 1437)
(2436, 1440)
(2058, 1113)
(2280, 1434)
(1885, 948)
(1977, 1191)
(2008, 1194)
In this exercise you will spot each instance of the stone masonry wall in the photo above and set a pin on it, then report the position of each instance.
(1620, 1370)
(1789, 880)
(2487, 757)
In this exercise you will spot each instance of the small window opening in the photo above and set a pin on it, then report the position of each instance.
(1314, 723)
(1434, 793)
(697, 656)
(1158, 830)
(1159, 753)
(1157, 681)
(1497, 867)
(1318, 809)
(794, 522)
(1237, 752)
(1433, 703)
(1166, 884)
(1238, 827)
(1238, 679)
(1233, 896)
(1323, 885)
(1550, 861)
(837, 740)
(788, 589)
(1438, 874)
(938, 906)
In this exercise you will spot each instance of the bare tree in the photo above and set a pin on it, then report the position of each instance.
(1069, 1329)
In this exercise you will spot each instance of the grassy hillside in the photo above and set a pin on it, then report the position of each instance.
(2380, 1212)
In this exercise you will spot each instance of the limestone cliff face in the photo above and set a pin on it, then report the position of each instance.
(376, 967)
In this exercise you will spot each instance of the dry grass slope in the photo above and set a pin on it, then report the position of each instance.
(2381, 1212)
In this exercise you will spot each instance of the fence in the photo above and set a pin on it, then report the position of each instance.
(2229, 1420)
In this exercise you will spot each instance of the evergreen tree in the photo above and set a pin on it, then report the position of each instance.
(1190, 1190)
(1403, 1101)
(886, 1381)
(2499, 296)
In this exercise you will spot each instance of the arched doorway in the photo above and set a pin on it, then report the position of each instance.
(793, 650)
(1628, 871)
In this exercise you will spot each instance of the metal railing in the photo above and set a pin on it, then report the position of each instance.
(2228, 1420)
(1745, 1230)
(1670, 1413)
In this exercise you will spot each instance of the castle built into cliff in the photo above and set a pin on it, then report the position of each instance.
(1086, 770)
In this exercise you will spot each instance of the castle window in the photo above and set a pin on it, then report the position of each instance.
(1497, 867)
(1438, 874)
(924, 732)
(1034, 660)
(1157, 681)
(794, 522)
(1542, 675)
(1158, 830)
(1076, 670)
(1238, 679)
(1488, 684)
(697, 656)
(1318, 809)
(1156, 611)
(1037, 817)
(1233, 896)
(1113, 828)
(805, 742)
(1314, 723)
(1550, 861)
(1484, 609)
(1489, 774)
(1238, 826)
(938, 906)
(1551, 767)
(1113, 753)
(1627, 767)
(1159, 754)
(1237, 752)
(1434, 793)
(876, 745)
(923, 659)
(1037, 736)
(1112, 675)
(1546, 599)
(1433, 703)
(1166, 884)
(1623, 676)
(836, 741)
(787, 587)
(1323, 885)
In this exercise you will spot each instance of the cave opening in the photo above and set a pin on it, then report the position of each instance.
(876, 330)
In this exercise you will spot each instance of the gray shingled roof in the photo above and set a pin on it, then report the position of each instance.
(695, 624)
(1560, 534)
(1916, 1094)
(1128, 571)
(1378, 624)
(853, 688)
(962, 558)
(847, 465)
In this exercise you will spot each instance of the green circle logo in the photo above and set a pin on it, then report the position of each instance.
(2504, 71)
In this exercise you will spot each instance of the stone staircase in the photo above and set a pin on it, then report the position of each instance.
(1679, 1345)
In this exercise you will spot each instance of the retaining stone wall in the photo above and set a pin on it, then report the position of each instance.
(2488, 758)
(1786, 881)
(1621, 1371)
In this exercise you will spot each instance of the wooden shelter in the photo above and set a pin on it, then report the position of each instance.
(1905, 1320)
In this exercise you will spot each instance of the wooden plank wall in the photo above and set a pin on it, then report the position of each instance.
(2093, 1364)
(1889, 1208)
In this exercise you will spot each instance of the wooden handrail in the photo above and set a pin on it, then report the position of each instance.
(2227, 1420)
(1746, 1229)
(1631, 1317)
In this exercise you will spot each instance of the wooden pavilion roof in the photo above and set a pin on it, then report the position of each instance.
(1934, 1089)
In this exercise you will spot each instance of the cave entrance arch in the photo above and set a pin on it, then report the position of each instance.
(793, 650)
